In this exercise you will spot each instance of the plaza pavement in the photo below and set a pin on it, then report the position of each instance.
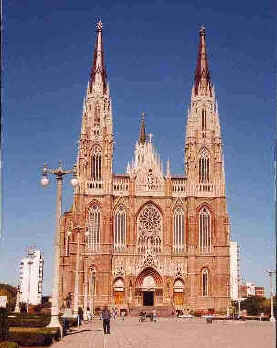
(172, 333)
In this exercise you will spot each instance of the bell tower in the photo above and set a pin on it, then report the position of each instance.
(204, 163)
(95, 153)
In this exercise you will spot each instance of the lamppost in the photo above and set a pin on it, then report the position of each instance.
(272, 318)
(59, 173)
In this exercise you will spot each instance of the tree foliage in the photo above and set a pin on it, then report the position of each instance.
(256, 305)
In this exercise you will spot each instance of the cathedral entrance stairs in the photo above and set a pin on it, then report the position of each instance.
(162, 311)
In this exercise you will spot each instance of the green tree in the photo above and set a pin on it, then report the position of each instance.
(256, 305)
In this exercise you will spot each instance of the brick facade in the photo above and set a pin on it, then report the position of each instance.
(146, 237)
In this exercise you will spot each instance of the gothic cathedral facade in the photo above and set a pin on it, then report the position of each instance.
(147, 238)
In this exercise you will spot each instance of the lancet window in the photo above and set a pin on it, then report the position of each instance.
(205, 282)
(204, 120)
(149, 229)
(96, 164)
(120, 225)
(204, 167)
(179, 230)
(97, 115)
(94, 228)
(205, 230)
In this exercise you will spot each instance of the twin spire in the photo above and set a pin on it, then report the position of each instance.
(98, 74)
(202, 79)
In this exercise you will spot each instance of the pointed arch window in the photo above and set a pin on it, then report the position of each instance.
(204, 120)
(120, 224)
(94, 228)
(204, 167)
(205, 240)
(149, 229)
(205, 282)
(96, 164)
(97, 115)
(179, 230)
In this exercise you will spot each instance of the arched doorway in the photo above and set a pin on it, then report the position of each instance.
(149, 287)
(178, 293)
(118, 289)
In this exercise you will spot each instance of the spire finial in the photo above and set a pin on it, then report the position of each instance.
(99, 25)
(98, 75)
(142, 134)
(202, 80)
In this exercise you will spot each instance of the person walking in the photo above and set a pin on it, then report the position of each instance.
(106, 316)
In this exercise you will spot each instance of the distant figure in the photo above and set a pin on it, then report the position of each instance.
(154, 315)
(123, 315)
(106, 316)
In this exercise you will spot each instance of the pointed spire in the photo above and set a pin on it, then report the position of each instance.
(168, 175)
(202, 80)
(98, 74)
(142, 134)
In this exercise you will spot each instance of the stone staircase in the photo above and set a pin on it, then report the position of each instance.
(162, 311)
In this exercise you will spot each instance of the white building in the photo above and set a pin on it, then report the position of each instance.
(251, 289)
(30, 277)
(234, 270)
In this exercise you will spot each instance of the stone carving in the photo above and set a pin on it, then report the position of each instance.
(118, 271)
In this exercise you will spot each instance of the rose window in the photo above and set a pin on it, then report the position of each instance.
(149, 229)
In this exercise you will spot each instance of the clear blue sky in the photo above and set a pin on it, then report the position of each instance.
(150, 53)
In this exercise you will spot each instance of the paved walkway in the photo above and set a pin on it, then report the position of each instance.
(172, 333)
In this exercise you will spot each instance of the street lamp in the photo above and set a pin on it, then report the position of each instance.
(272, 318)
(59, 173)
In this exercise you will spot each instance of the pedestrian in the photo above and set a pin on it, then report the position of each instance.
(106, 316)
(154, 315)
(123, 315)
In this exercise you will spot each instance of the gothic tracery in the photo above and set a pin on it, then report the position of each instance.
(149, 229)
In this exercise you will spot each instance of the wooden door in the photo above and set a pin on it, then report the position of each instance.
(119, 297)
(178, 298)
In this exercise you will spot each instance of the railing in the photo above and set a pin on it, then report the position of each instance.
(178, 186)
(120, 185)
(94, 185)
(205, 187)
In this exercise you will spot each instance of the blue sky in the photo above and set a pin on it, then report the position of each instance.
(150, 53)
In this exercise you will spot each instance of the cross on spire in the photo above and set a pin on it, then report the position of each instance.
(202, 79)
(98, 74)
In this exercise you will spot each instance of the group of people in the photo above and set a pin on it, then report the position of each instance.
(152, 316)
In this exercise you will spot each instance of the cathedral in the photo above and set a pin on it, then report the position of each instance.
(147, 238)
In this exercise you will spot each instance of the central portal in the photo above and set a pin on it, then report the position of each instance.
(148, 298)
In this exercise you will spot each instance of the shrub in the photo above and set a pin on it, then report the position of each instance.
(28, 320)
(8, 345)
(4, 324)
(33, 336)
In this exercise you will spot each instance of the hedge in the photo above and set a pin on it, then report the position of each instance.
(8, 345)
(33, 336)
(28, 320)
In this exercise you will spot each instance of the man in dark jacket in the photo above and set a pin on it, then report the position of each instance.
(106, 316)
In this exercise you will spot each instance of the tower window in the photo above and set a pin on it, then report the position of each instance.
(204, 120)
(94, 228)
(205, 230)
(179, 230)
(96, 164)
(120, 229)
(204, 167)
